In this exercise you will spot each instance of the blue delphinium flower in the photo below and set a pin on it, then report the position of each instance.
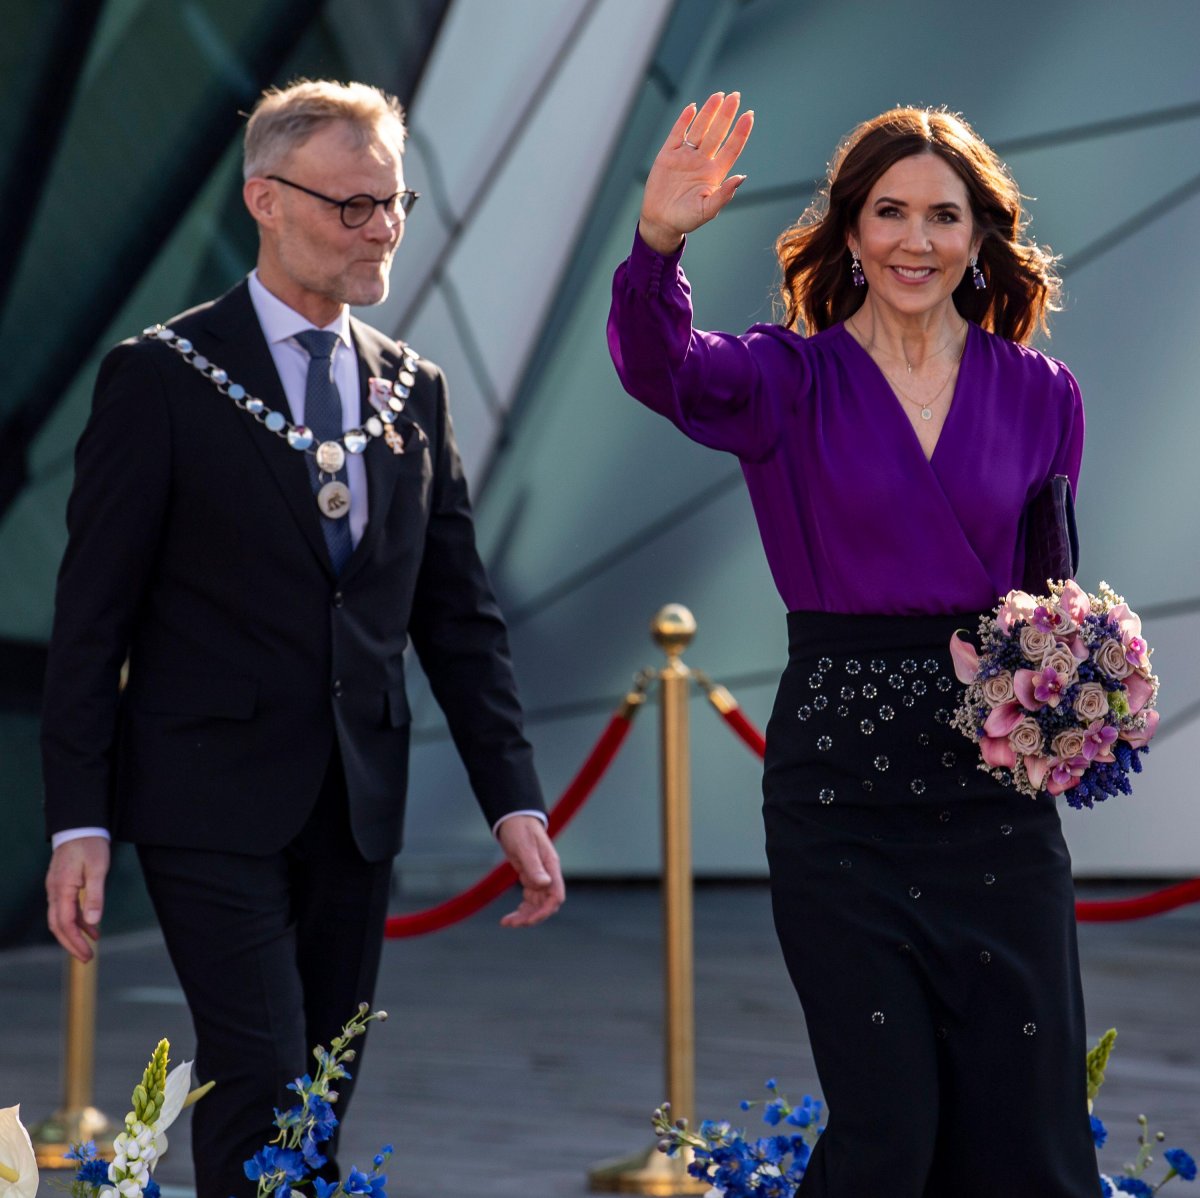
(1135, 1186)
(1099, 1132)
(81, 1152)
(151, 1189)
(93, 1172)
(773, 1112)
(1181, 1162)
(325, 1189)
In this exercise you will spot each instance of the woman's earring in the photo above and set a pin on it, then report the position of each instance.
(977, 275)
(856, 271)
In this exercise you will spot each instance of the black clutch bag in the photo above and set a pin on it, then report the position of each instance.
(1051, 538)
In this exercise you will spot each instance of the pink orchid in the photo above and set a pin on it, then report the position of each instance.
(965, 658)
(1003, 719)
(1136, 738)
(1138, 691)
(1136, 653)
(1097, 742)
(1039, 688)
(1065, 774)
(1037, 768)
(1074, 601)
(1048, 619)
(1016, 606)
(996, 751)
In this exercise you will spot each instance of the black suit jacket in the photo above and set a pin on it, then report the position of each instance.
(195, 547)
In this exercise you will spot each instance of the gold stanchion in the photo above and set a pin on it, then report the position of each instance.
(76, 1121)
(652, 1172)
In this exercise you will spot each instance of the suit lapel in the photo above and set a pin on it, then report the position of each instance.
(376, 359)
(242, 351)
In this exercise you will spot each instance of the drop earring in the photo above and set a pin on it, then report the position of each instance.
(856, 271)
(977, 275)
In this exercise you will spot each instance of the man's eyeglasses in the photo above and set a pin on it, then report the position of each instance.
(357, 210)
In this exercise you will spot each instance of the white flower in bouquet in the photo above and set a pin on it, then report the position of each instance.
(18, 1165)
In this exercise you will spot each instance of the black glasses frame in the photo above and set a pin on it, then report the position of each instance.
(407, 199)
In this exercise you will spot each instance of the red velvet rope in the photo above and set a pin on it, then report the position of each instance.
(1139, 906)
(500, 879)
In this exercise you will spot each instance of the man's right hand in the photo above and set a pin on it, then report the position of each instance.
(75, 893)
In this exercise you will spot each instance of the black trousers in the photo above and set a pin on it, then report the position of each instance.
(274, 953)
(926, 917)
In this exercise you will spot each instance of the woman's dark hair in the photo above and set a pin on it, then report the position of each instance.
(817, 290)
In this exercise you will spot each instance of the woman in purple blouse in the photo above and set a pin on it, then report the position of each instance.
(925, 912)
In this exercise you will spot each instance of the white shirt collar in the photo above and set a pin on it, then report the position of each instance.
(281, 323)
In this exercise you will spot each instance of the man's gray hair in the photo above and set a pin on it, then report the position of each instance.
(285, 118)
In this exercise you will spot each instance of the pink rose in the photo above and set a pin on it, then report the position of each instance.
(998, 689)
(1069, 743)
(1110, 657)
(1026, 737)
(1017, 606)
(1137, 737)
(1091, 701)
(1035, 643)
(1062, 661)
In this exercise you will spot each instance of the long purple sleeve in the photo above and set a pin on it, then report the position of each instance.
(852, 515)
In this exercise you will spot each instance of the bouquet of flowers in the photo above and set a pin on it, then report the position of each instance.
(1060, 695)
(770, 1167)
(280, 1167)
(773, 1166)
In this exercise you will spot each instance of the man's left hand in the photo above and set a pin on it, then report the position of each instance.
(530, 852)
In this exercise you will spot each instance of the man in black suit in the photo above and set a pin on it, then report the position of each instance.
(268, 507)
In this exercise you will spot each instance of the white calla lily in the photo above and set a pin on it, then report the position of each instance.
(18, 1165)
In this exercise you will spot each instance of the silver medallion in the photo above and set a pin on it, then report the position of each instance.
(396, 404)
(406, 378)
(299, 436)
(374, 426)
(275, 421)
(926, 414)
(330, 457)
(356, 440)
(334, 500)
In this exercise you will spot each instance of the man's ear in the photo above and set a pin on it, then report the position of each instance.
(262, 200)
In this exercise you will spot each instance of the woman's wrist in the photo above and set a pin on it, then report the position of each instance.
(660, 240)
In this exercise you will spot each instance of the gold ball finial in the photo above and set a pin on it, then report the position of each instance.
(673, 629)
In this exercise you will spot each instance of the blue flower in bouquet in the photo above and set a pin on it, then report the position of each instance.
(1182, 1163)
(1099, 1132)
(291, 1159)
(1133, 1185)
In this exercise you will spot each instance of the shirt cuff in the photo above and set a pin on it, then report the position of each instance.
(647, 268)
(77, 834)
(536, 814)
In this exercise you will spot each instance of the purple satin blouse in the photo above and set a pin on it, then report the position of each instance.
(852, 515)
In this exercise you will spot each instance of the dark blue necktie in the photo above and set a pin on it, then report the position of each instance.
(323, 414)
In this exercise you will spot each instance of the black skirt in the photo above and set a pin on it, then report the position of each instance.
(926, 915)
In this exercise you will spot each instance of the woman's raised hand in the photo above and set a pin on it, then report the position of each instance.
(689, 182)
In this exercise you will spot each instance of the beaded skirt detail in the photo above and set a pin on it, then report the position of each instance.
(926, 917)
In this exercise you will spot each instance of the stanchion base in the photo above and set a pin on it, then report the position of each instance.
(650, 1172)
(53, 1137)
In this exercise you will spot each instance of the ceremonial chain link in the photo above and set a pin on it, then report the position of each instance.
(388, 398)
